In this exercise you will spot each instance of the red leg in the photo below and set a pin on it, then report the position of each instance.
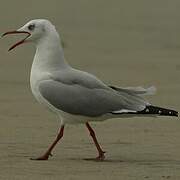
(100, 151)
(46, 155)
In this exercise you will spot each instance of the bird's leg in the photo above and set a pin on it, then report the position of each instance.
(101, 156)
(46, 155)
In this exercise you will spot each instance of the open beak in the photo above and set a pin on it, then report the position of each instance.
(20, 42)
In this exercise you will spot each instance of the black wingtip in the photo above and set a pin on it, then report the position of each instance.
(159, 111)
(176, 114)
(154, 110)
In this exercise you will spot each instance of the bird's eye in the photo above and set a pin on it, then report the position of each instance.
(31, 27)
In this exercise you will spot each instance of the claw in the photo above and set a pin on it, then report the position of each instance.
(101, 156)
(44, 157)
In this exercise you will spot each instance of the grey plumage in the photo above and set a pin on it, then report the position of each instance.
(80, 93)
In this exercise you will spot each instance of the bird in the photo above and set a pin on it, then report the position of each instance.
(76, 96)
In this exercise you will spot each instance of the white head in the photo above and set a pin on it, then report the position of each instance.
(35, 30)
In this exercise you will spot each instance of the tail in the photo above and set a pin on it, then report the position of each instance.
(153, 110)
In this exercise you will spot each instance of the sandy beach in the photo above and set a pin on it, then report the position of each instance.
(124, 43)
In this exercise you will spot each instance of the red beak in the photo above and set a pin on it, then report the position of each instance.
(17, 32)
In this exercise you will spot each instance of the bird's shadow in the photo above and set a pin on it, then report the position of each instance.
(130, 161)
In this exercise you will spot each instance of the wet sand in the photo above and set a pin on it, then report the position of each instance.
(126, 43)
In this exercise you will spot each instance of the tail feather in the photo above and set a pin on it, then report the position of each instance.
(136, 90)
(153, 110)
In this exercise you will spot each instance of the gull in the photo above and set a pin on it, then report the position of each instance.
(76, 96)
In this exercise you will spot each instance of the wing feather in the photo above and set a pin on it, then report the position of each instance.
(75, 98)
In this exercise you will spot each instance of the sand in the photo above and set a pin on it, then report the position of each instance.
(125, 43)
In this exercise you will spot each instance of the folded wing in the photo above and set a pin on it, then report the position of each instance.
(76, 98)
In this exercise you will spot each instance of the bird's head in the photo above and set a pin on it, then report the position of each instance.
(35, 30)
